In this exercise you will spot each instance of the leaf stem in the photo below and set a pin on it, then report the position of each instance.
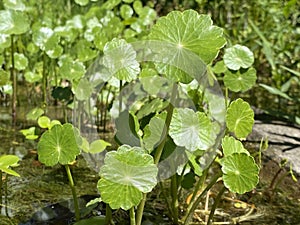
(191, 208)
(216, 203)
(140, 210)
(174, 193)
(14, 78)
(132, 216)
(108, 215)
(44, 85)
(71, 182)
(1, 184)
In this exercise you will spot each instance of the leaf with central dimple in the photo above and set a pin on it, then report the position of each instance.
(240, 172)
(237, 57)
(192, 130)
(126, 174)
(192, 31)
(240, 118)
(58, 145)
(13, 22)
(120, 59)
(241, 80)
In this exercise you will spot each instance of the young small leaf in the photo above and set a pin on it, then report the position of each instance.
(241, 80)
(237, 57)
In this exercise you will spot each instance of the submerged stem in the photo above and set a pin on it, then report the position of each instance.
(132, 216)
(71, 182)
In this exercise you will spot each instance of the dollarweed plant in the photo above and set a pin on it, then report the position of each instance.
(174, 124)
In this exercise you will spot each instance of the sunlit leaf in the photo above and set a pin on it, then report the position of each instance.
(44, 122)
(110, 4)
(52, 47)
(237, 57)
(192, 130)
(126, 11)
(219, 67)
(70, 69)
(13, 22)
(7, 161)
(32, 77)
(240, 118)
(84, 50)
(82, 2)
(5, 41)
(275, 91)
(41, 36)
(14, 4)
(240, 172)
(120, 59)
(192, 31)
(123, 177)
(21, 61)
(241, 80)
(230, 145)
(58, 145)
(98, 146)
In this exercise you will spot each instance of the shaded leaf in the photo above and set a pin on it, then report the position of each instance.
(241, 80)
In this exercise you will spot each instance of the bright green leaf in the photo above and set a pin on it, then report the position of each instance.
(44, 122)
(240, 118)
(110, 4)
(230, 145)
(240, 172)
(84, 90)
(21, 61)
(32, 77)
(82, 2)
(123, 177)
(41, 36)
(192, 130)
(120, 59)
(58, 145)
(7, 161)
(275, 91)
(126, 11)
(98, 146)
(13, 22)
(192, 31)
(237, 57)
(14, 4)
(241, 80)
(70, 69)
(5, 41)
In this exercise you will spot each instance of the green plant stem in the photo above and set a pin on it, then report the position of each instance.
(199, 185)
(44, 85)
(120, 97)
(140, 210)
(1, 184)
(174, 194)
(216, 203)
(71, 182)
(170, 109)
(192, 207)
(159, 151)
(14, 80)
(132, 216)
(6, 195)
(108, 214)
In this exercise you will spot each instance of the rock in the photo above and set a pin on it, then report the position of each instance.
(284, 141)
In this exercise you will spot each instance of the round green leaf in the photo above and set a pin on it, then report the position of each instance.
(13, 22)
(70, 69)
(192, 31)
(84, 50)
(120, 59)
(58, 145)
(230, 145)
(98, 146)
(237, 57)
(240, 172)
(4, 41)
(21, 61)
(52, 47)
(126, 11)
(192, 130)
(32, 77)
(84, 89)
(240, 118)
(7, 161)
(44, 122)
(41, 36)
(126, 174)
(241, 80)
